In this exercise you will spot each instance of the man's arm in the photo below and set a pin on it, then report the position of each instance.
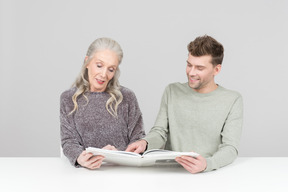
(228, 150)
(157, 136)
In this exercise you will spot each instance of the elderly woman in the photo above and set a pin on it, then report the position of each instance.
(97, 111)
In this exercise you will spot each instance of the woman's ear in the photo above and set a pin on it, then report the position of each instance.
(85, 60)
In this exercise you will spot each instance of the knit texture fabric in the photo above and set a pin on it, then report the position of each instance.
(209, 124)
(93, 126)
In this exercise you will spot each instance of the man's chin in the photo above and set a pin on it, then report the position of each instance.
(193, 86)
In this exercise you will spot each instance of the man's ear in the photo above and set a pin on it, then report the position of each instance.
(217, 69)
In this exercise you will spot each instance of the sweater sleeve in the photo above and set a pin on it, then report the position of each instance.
(228, 150)
(71, 141)
(135, 120)
(157, 136)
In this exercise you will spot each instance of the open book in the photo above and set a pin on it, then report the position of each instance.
(148, 158)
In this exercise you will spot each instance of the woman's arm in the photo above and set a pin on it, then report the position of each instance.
(70, 139)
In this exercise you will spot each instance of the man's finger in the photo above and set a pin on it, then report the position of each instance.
(190, 159)
(138, 150)
(131, 148)
(187, 165)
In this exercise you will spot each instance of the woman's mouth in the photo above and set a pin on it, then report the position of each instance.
(100, 81)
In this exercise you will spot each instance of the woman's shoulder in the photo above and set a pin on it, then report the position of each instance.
(67, 94)
(127, 93)
(125, 90)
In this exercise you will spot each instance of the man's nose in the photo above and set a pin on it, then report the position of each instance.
(192, 71)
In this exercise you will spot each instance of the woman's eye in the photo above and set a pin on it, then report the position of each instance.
(98, 65)
(111, 70)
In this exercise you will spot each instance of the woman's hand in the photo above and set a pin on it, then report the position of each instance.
(90, 161)
(110, 147)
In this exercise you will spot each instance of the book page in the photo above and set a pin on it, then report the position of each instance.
(117, 157)
(98, 151)
(156, 151)
(161, 152)
(149, 158)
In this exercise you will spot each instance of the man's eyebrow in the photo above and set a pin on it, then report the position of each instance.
(195, 65)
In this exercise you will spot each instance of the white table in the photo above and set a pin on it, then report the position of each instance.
(56, 174)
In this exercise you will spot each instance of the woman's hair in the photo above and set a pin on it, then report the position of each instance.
(113, 88)
(206, 45)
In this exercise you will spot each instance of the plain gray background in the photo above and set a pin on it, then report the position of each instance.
(43, 45)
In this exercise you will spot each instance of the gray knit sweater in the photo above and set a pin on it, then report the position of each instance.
(93, 126)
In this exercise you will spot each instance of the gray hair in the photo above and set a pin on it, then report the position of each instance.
(113, 88)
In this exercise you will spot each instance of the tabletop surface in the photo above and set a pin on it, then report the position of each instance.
(50, 174)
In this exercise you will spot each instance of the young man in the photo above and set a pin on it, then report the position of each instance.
(200, 115)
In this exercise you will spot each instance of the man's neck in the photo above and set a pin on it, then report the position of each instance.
(207, 89)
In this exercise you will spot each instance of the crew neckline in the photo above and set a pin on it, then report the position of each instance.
(219, 88)
(97, 93)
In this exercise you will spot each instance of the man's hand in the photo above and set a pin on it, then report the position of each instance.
(191, 164)
(137, 147)
(89, 161)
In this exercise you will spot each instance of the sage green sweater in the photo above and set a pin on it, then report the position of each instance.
(209, 124)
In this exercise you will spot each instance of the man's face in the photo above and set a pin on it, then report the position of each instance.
(201, 72)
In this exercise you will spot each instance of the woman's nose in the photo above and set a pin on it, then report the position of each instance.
(104, 72)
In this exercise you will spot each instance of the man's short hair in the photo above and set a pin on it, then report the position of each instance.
(206, 45)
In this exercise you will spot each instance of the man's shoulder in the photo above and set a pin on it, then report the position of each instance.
(229, 92)
(177, 86)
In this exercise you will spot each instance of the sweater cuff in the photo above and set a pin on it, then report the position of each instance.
(74, 162)
(153, 143)
(73, 156)
(210, 165)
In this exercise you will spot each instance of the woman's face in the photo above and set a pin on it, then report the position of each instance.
(101, 69)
